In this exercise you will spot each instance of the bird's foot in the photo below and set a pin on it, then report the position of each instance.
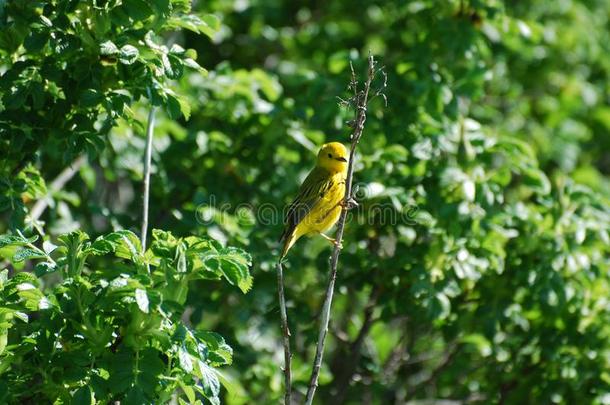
(332, 240)
(349, 204)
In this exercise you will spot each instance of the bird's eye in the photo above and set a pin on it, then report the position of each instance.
(330, 155)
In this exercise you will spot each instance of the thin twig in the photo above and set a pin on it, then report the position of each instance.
(285, 333)
(360, 101)
(150, 129)
(56, 185)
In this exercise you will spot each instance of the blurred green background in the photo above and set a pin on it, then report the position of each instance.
(496, 138)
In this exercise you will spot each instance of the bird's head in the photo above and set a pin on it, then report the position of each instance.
(333, 157)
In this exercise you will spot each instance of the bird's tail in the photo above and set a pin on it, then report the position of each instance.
(288, 239)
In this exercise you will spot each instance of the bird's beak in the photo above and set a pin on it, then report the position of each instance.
(341, 159)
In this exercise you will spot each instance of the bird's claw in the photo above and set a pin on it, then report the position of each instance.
(332, 240)
(349, 204)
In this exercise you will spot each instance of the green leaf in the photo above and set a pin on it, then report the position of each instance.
(176, 66)
(16, 240)
(441, 306)
(480, 342)
(151, 367)
(44, 303)
(32, 297)
(101, 246)
(181, 266)
(233, 264)
(128, 55)
(91, 97)
(162, 7)
(537, 180)
(23, 277)
(184, 359)
(142, 300)
(45, 21)
(120, 376)
(34, 183)
(168, 68)
(108, 48)
(233, 387)
(164, 240)
(209, 380)
(27, 254)
(3, 340)
(176, 290)
(177, 106)
(43, 268)
(3, 278)
(76, 242)
(137, 9)
(207, 24)
(220, 353)
(185, 107)
(36, 40)
(194, 65)
(135, 396)
(21, 315)
(188, 391)
(127, 245)
(48, 247)
(210, 25)
(83, 396)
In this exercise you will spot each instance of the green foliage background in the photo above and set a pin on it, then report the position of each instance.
(492, 152)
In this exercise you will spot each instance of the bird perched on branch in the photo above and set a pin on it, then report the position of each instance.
(318, 205)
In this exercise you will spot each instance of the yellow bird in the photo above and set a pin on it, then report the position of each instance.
(318, 205)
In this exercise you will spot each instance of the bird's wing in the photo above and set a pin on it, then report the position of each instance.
(313, 189)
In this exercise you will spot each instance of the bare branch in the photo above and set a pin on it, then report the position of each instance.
(150, 129)
(359, 101)
(285, 333)
(57, 184)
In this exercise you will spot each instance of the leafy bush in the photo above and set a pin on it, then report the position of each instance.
(488, 284)
(111, 328)
(73, 68)
(492, 157)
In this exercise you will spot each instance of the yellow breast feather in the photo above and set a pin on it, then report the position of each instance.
(317, 206)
